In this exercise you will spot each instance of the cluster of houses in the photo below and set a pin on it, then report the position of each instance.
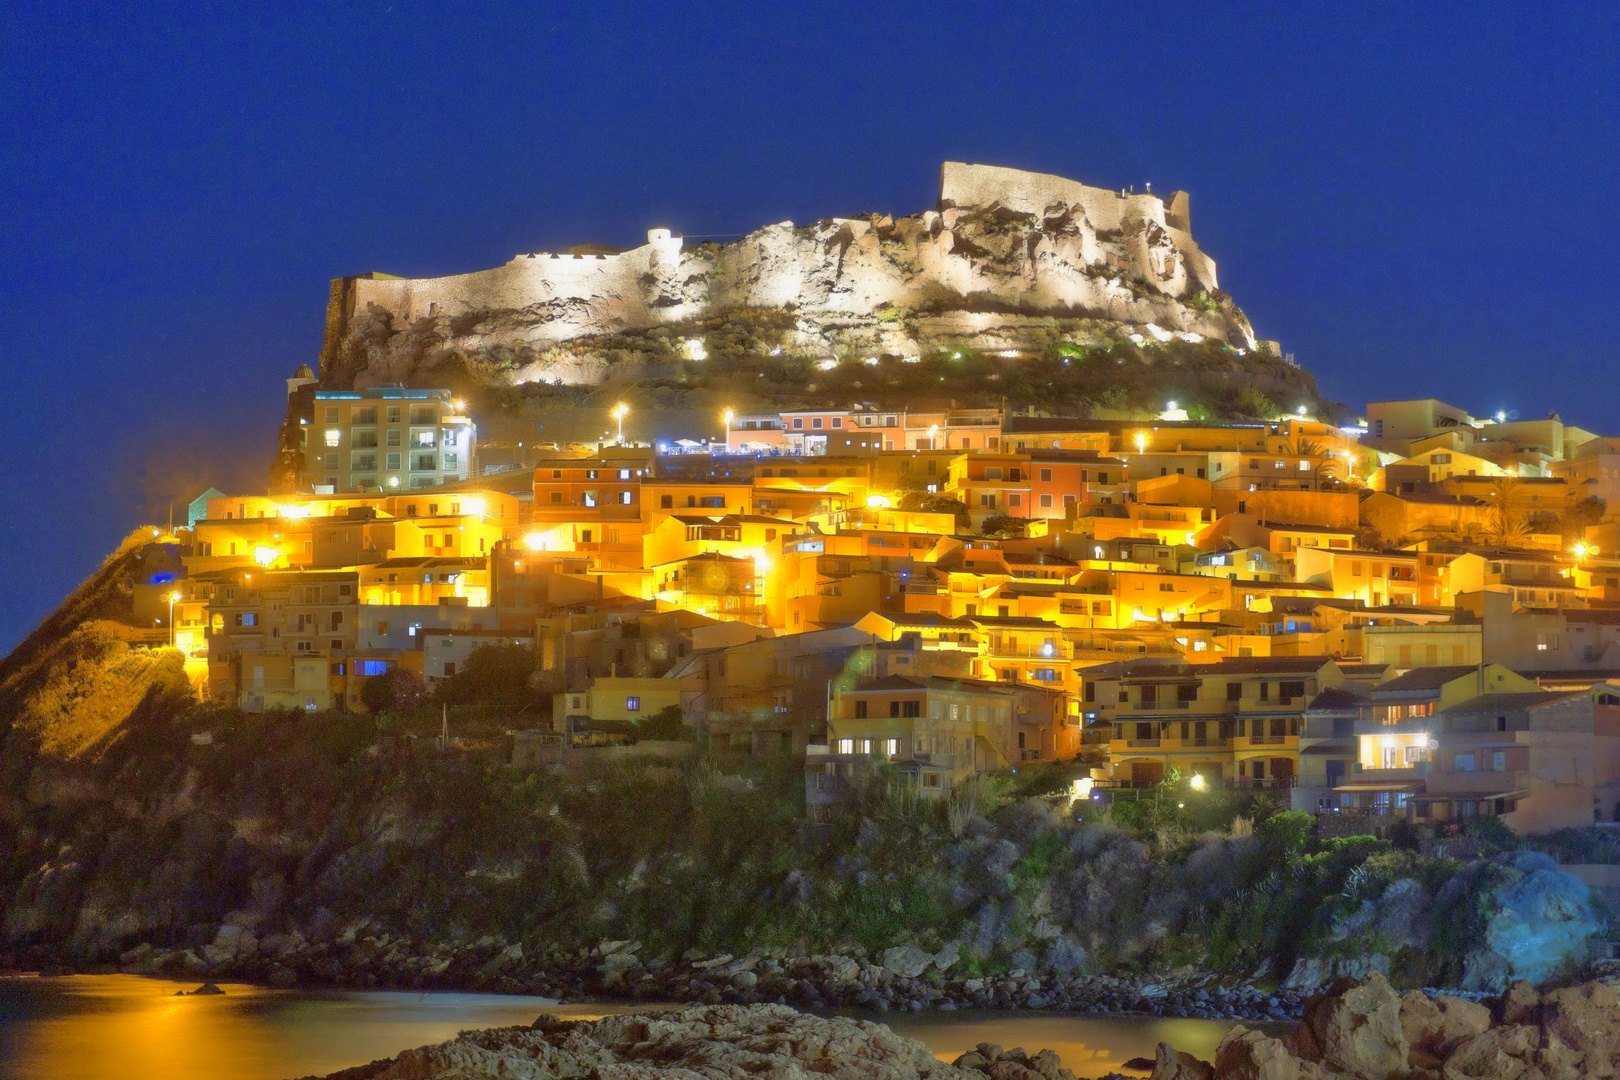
(1416, 616)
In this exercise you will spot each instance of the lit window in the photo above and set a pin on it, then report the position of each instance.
(334, 437)
(632, 704)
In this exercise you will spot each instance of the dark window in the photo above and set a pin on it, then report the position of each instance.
(1234, 691)
(1290, 690)
(1187, 693)
(1150, 696)
(1265, 691)
(860, 710)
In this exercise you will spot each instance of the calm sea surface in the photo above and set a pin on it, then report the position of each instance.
(122, 1027)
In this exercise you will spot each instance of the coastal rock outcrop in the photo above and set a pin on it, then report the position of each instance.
(766, 1042)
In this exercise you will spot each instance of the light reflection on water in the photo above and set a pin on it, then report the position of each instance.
(122, 1027)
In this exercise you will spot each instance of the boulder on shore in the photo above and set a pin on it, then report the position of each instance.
(1364, 1030)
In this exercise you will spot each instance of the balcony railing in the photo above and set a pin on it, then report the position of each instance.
(1143, 744)
(1035, 652)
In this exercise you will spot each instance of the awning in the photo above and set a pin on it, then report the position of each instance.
(1343, 746)
(1368, 789)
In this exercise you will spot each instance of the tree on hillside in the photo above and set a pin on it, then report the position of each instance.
(1004, 526)
(1573, 522)
(914, 495)
(394, 691)
(501, 676)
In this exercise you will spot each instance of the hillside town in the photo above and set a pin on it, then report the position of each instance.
(1413, 617)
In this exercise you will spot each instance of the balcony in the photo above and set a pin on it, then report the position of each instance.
(1031, 652)
(1143, 744)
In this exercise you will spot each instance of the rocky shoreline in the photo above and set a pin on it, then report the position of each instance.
(903, 978)
(1362, 1030)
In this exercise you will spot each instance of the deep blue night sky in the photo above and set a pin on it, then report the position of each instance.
(1418, 201)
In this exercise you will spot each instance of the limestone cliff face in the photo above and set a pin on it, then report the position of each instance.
(1003, 255)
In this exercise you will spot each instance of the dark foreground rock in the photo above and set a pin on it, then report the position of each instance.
(763, 1042)
(1368, 1031)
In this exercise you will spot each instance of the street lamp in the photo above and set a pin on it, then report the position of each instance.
(728, 416)
(619, 412)
(933, 435)
(1141, 442)
(172, 598)
(1197, 782)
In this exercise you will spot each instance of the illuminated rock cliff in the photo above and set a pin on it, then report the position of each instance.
(1009, 261)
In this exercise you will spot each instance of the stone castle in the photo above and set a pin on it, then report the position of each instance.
(1003, 254)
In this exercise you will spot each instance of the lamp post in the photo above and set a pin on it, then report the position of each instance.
(619, 412)
(172, 598)
(1141, 442)
(728, 416)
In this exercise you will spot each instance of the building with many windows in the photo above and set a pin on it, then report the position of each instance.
(385, 438)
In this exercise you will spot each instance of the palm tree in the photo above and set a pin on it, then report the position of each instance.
(1507, 517)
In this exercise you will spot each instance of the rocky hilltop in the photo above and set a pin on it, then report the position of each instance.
(1008, 262)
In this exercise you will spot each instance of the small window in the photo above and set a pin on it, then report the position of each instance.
(632, 704)
(1046, 478)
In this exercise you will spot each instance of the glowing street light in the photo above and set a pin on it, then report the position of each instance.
(619, 412)
(933, 435)
(1197, 783)
(172, 598)
(1141, 438)
(728, 416)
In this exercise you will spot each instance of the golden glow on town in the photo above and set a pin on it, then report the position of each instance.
(1216, 564)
